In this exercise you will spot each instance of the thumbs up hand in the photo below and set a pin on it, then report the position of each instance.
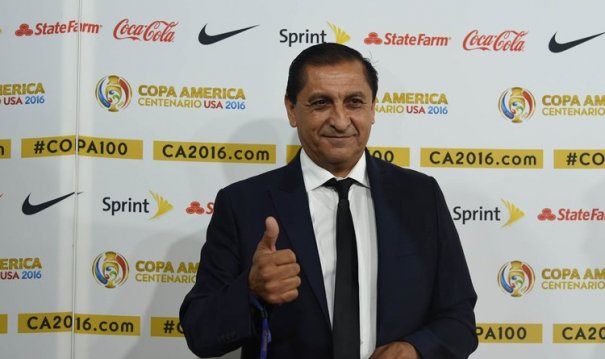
(274, 274)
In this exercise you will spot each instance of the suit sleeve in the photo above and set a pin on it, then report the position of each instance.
(450, 331)
(216, 315)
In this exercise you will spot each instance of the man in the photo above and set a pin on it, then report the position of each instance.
(268, 275)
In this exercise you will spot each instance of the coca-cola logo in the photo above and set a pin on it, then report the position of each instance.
(155, 31)
(508, 40)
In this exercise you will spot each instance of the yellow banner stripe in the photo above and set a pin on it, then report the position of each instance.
(166, 327)
(3, 323)
(5, 148)
(108, 324)
(399, 156)
(481, 158)
(579, 159)
(86, 146)
(291, 151)
(213, 152)
(578, 333)
(48, 146)
(506, 333)
(82, 324)
(110, 147)
(44, 322)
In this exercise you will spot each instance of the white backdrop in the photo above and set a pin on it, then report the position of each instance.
(524, 195)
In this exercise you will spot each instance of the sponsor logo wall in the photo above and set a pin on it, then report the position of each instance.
(119, 124)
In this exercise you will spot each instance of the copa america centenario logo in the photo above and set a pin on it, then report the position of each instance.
(113, 93)
(516, 278)
(110, 269)
(517, 104)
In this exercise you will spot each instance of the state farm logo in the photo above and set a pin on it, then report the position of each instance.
(546, 215)
(155, 31)
(372, 39)
(508, 40)
(44, 28)
(393, 38)
(568, 214)
(196, 208)
(24, 30)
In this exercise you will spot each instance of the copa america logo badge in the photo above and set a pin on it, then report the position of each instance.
(113, 93)
(516, 278)
(110, 269)
(517, 104)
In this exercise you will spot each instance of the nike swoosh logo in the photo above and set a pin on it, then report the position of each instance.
(557, 47)
(206, 39)
(30, 209)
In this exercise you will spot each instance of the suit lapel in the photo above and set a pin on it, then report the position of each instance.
(387, 221)
(292, 207)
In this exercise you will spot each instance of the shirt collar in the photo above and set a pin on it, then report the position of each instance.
(315, 176)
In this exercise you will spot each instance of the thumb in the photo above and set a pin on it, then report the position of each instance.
(270, 236)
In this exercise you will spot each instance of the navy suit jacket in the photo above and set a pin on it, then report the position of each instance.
(425, 295)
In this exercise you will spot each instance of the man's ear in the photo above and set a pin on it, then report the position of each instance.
(374, 111)
(290, 111)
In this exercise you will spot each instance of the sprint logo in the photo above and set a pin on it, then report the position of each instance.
(514, 213)
(137, 206)
(341, 36)
(309, 37)
(163, 205)
(506, 214)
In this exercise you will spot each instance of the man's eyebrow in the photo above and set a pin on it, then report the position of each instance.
(355, 94)
(318, 95)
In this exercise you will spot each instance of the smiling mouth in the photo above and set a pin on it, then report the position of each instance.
(339, 141)
(338, 138)
(339, 135)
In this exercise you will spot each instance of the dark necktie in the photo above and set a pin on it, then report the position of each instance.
(345, 323)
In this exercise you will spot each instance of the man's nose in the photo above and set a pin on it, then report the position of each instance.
(340, 117)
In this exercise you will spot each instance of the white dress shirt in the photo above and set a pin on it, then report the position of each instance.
(323, 202)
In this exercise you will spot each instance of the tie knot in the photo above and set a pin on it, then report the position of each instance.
(342, 186)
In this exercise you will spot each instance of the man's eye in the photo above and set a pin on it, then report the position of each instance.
(317, 103)
(356, 102)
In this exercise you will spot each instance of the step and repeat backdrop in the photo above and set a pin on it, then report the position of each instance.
(120, 121)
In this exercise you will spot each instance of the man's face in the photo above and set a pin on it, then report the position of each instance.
(333, 114)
